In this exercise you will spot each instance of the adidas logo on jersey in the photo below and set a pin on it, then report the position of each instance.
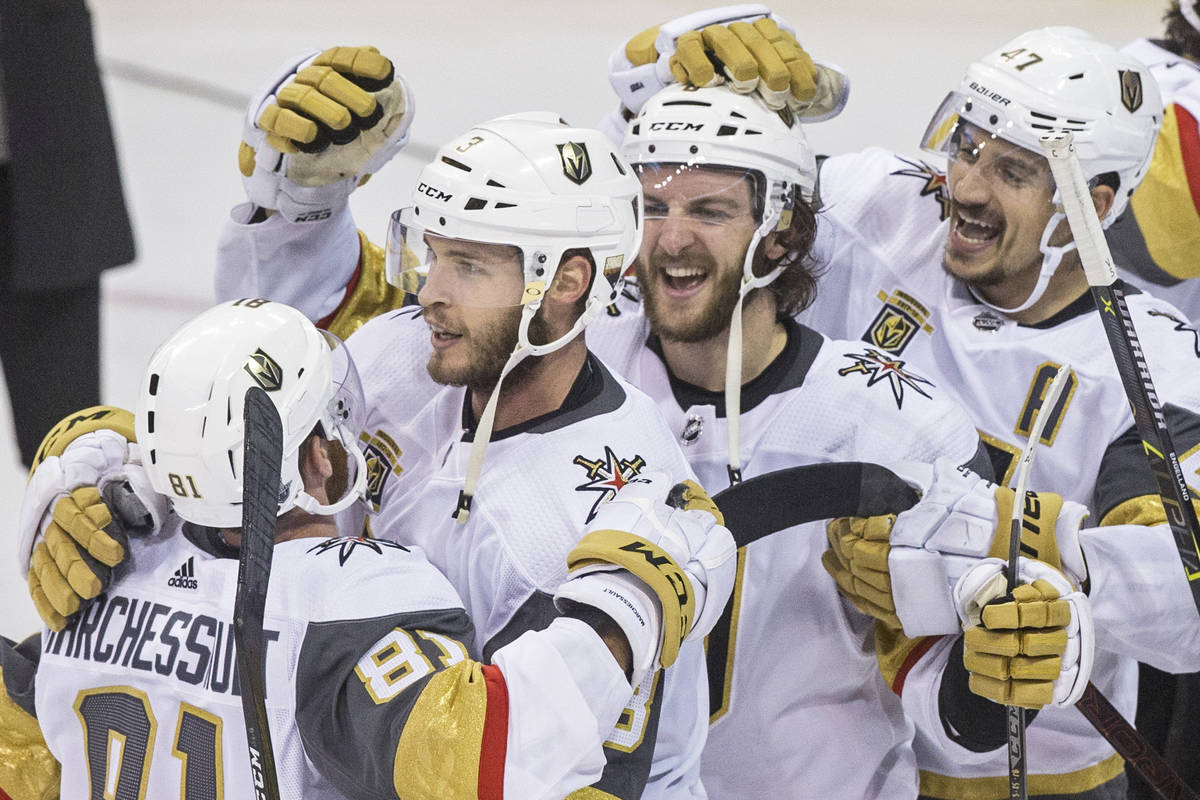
(185, 576)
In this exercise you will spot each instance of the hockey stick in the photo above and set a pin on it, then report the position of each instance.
(1017, 788)
(262, 457)
(1151, 427)
(1127, 351)
(775, 501)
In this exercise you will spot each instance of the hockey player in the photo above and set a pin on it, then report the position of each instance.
(372, 687)
(1003, 313)
(518, 235)
(727, 184)
(1154, 240)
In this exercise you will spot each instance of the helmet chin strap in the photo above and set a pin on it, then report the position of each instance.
(733, 352)
(1052, 256)
(487, 420)
(308, 503)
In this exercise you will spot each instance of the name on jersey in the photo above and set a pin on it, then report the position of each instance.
(897, 322)
(155, 638)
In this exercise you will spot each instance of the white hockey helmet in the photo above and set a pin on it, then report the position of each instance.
(1061, 79)
(1058, 79)
(189, 414)
(716, 126)
(532, 182)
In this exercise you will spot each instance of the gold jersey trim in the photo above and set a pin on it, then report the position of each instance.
(945, 787)
(1145, 509)
(438, 751)
(27, 769)
(591, 793)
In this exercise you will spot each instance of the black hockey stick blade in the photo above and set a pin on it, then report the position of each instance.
(262, 457)
(777, 500)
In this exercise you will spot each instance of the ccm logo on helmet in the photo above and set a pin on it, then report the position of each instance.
(434, 192)
(676, 126)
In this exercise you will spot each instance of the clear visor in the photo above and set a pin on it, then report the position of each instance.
(697, 194)
(347, 408)
(459, 272)
(346, 413)
(979, 143)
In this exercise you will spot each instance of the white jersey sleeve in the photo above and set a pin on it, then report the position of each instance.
(305, 265)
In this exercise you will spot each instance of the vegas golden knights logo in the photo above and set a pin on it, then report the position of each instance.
(1131, 89)
(892, 330)
(575, 162)
(265, 371)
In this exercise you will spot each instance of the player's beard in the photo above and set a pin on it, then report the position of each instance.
(489, 348)
(702, 322)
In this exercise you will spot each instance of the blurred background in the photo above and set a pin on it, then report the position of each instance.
(177, 77)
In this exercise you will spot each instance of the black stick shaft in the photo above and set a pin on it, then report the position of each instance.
(261, 461)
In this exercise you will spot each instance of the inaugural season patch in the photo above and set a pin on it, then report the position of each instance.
(606, 475)
(935, 182)
(878, 368)
(382, 455)
(897, 322)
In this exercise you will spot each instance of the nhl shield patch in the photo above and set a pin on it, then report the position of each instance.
(576, 163)
(1131, 89)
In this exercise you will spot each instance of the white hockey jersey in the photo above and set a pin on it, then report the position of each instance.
(1155, 241)
(798, 707)
(140, 697)
(541, 483)
(882, 233)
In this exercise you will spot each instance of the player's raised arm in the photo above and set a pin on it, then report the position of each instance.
(312, 135)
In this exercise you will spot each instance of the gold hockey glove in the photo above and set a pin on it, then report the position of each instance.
(1031, 648)
(321, 130)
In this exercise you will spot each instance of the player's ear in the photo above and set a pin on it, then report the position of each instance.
(1103, 198)
(773, 249)
(315, 464)
(572, 280)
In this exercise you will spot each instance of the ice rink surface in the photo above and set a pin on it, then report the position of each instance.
(177, 75)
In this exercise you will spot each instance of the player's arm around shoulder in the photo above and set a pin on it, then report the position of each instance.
(384, 663)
